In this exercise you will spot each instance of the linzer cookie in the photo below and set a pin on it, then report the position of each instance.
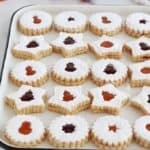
(68, 44)
(24, 131)
(68, 132)
(35, 22)
(139, 48)
(109, 71)
(142, 100)
(27, 100)
(107, 47)
(68, 100)
(142, 131)
(140, 74)
(70, 21)
(107, 99)
(31, 72)
(111, 133)
(32, 47)
(138, 24)
(105, 23)
(70, 71)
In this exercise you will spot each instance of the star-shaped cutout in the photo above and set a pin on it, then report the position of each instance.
(69, 44)
(27, 99)
(68, 100)
(107, 99)
(142, 100)
(32, 47)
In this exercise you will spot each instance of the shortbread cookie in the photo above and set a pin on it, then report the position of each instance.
(107, 23)
(142, 131)
(107, 47)
(32, 47)
(68, 132)
(70, 21)
(27, 100)
(142, 100)
(24, 131)
(70, 71)
(109, 71)
(68, 100)
(139, 48)
(107, 99)
(111, 133)
(35, 22)
(69, 44)
(138, 24)
(140, 74)
(31, 72)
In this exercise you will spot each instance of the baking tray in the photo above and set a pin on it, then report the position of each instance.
(9, 61)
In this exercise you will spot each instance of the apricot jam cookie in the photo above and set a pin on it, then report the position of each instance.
(107, 99)
(142, 100)
(29, 72)
(105, 23)
(140, 74)
(142, 131)
(35, 22)
(70, 21)
(111, 133)
(27, 100)
(24, 131)
(70, 71)
(69, 44)
(68, 100)
(32, 47)
(138, 24)
(139, 48)
(68, 132)
(109, 71)
(107, 47)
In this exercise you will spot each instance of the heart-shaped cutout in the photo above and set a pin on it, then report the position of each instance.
(70, 67)
(142, 21)
(25, 128)
(36, 20)
(71, 19)
(69, 40)
(67, 96)
(28, 96)
(144, 46)
(145, 70)
(107, 96)
(112, 128)
(32, 44)
(30, 71)
(148, 126)
(106, 44)
(105, 20)
(68, 128)
(110, 69)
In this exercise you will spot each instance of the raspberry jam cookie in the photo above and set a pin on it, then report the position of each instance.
(35, 22)
(24, 131)
(142, 131)
(111, 133)
(142, 100)
(140, 74)
(139, 48)
(69, 44)
(107, 99)
(31, 72)
(70, 71)
(68, 132)
(138, 24)
(106, 47)
(70, 21)
(109, 71)
(107, 23)
(32, 47)
(68, 100)
(27, 100)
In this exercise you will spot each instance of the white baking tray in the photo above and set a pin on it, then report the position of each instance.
(9, 61)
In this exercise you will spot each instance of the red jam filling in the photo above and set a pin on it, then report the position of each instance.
(106, 44)
(67, 96)
(107, 96)
(25, 128)
(30, 71)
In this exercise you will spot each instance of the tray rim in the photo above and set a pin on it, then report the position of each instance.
(3, 144)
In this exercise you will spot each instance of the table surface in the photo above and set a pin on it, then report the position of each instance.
(9, 6)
